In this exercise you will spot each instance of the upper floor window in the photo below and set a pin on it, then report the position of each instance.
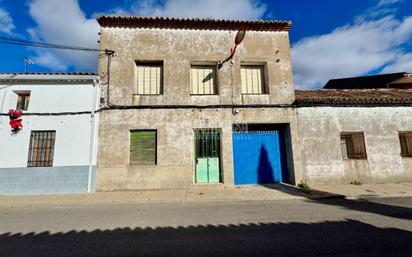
(149, 78)
(252, 79)
(23, 99)
(41, 148)
(353, 145)
(405, 139)
(203, 80)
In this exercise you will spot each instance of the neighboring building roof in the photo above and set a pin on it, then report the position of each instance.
(353, 97)
(198, 24)
(404, 82)
(376, 81)
(8, 76)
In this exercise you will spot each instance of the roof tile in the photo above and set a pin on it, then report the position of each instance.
(195, 23)
(348, 97)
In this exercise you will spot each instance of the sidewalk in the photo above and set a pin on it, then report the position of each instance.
(210, 193)
(367, 190)
(203, 193)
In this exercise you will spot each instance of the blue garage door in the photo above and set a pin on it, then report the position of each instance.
(257, 157)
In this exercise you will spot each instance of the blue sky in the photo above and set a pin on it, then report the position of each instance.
(329, 38)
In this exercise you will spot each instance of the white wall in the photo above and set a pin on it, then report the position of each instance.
(72, 145)
(319, 136)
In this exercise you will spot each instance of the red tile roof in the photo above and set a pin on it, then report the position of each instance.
(199, 24)
(353, 97)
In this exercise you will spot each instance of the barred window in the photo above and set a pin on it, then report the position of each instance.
(149, 78)
(353, 145)
(405, 139)
(252, 79)
(203, 80)
(41, 149)
(143, 147)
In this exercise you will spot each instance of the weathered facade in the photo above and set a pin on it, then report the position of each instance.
(381, 115)
(175, 116)
(175, 113)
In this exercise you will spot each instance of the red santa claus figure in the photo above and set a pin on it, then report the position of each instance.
(15, 120)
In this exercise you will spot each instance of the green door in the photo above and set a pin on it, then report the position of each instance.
(202, 170)
(207, 144)
(213, 170)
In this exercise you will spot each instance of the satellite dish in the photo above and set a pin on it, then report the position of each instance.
(240, 36)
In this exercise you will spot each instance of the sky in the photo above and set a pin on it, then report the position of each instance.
(329, 38)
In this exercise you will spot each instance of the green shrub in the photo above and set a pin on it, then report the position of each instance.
(356, 182)
(304, 186)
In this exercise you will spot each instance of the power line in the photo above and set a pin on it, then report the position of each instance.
(15, 41)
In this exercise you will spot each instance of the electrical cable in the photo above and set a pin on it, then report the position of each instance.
(16, 41)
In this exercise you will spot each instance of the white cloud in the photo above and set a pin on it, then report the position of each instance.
(63, 22)
(6, 22)
(229, 9)
(388, 2)
(379, 10)
(402, 64)
(350, 50)
(48, 59)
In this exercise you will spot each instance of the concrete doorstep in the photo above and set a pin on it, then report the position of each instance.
(211, 193)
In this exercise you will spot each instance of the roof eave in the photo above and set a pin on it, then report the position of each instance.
(196, 24)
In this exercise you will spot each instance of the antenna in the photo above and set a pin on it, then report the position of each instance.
(27, 61)
(240, 35)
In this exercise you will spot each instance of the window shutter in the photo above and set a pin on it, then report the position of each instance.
(353, 146)
(358, 145)
(142, 147)
(406, 143)
(203, 79)
(149, 79)
(252, 79)
(408, 139)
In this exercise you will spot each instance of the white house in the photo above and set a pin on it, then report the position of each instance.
(55, 152)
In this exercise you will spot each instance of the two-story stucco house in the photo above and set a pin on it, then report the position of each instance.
(176, 118)
(55, 151)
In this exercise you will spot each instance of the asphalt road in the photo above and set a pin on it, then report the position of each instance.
(262, 228)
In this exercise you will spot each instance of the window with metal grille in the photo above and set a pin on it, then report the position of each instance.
(405, 139)
(41, 149)
(149, 78)
(252, 79)
(23, 99)
(207, 143)
(143, 147)
(353, 145)
(203, 80)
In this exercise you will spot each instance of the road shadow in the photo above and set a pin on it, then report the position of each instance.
(337, 238)
(362, 205)
(368, 206)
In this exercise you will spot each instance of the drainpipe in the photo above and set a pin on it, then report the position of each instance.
(92, 135)
(2, 104)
